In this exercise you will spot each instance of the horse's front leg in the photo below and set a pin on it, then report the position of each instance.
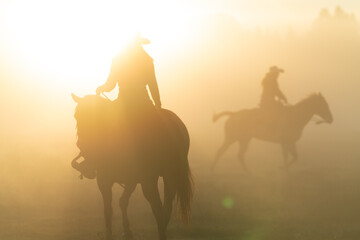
(124, 203)
(151, 193)
(106, 192)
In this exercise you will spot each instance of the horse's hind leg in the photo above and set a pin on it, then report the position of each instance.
(106, 192)
(294, 154)
(285, 153)
(169, 195)
(151, 193)
(124, 202)
(221, 151)
(243, 146)
(286, 149)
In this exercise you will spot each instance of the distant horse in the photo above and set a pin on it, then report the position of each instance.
(119, 163)
(283, 125)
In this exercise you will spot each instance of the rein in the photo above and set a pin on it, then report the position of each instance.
(105, 96)
(74, 163)
(317, 121)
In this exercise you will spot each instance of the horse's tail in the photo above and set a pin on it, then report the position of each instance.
(216, 116)
(184, 190)
(179, 175)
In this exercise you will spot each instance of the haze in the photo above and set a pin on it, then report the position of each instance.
(209, 56)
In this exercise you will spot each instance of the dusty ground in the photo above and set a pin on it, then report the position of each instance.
(319, 199)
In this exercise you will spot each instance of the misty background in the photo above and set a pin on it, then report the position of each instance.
(220, 67)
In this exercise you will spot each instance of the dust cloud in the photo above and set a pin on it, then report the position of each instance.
(220, 68)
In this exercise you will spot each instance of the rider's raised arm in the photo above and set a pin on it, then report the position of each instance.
(111, 80)
(280, 95)
(153, 86)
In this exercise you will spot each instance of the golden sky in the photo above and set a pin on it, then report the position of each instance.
(43, 28)
(71, 42)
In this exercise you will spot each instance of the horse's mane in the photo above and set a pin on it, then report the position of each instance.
(308, 98)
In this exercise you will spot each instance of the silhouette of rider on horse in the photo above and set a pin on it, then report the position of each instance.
(272, 97)
(133, 71)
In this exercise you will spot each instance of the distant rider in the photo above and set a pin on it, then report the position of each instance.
(272, 95)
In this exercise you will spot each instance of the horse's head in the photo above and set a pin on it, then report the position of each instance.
(322, 108)
(90, 113)
(92, 118)
(89, 100)
(89, 107)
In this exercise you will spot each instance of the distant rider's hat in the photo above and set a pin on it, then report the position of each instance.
(276, 69)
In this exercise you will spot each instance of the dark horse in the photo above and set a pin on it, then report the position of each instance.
(118, 161)
(283, 125)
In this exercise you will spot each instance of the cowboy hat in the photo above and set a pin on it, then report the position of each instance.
(140, 40)
(276, 69)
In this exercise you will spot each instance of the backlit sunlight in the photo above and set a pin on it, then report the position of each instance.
(76, 40)
(243, 124)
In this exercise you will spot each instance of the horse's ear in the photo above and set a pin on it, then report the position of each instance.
(75, 98)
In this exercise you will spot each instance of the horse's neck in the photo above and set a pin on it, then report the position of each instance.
(305, 111)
